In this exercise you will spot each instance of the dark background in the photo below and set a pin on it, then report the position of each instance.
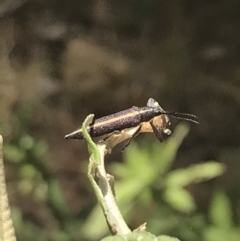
(62, 60)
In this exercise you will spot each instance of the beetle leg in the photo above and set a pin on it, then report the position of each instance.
(156, 132)
(134, 135)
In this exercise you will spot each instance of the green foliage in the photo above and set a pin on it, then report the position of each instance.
(140, 236)
(222, 225)
(27, 153)
(33, 181)
(56, 197)
(132, 237)
(194, 174)
(145, 178)
(24, 148)
(220, 211)
(180, 199)
(175, 182)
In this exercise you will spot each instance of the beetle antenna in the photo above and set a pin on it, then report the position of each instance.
(183, 116)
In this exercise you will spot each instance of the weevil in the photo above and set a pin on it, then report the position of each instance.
(127, 124)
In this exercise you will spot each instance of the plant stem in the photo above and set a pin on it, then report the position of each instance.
(100, 182)
(7, 232)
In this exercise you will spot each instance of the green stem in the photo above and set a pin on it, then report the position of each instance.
(102, 187)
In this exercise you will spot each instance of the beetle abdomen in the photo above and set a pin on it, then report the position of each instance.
(118, 121)
(108, 124)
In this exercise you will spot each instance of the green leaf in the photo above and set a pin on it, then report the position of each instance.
(134, 236)
(28, 171)
(163, 155)
(95, 225)
(180, 199)
(127, 190)
(26, 142)
(167, 238)
(141, 236)
(56, 197)
(60, 236)
(214, 233)
(220, 210)
(17, 218)
(115, 238)
(14, 154)
(40, 149)
(196, 173)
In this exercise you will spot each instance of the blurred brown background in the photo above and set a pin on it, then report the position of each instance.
(62, 60)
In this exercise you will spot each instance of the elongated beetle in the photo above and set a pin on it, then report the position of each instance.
(127, 124)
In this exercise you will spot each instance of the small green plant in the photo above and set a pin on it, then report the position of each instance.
(145, 178)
